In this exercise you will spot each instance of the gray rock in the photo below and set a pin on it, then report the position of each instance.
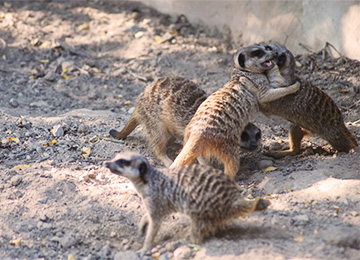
(82, 129)
(38, 104)
(126, 255)
(263, 164)
(65, 241)
(51, 76)
(105, 251)
(182, 253)
(13, 102)
(300, 220)
(57, 131)
(16, 180)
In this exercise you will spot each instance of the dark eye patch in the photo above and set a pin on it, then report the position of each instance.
(244, 136)
(123, 162)
(268, 48)
(257, 53)
(241, 60)
(143, 170)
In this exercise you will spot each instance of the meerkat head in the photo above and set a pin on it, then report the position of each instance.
(285, 60)
(250, 137)
(254, 58)
(131, 165)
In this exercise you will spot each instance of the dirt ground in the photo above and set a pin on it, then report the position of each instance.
(70, 72)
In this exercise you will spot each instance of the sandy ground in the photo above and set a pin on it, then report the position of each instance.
(70, 72)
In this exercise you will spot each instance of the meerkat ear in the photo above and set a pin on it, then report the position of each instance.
(241, 60)
(143, 168)
(281, 60)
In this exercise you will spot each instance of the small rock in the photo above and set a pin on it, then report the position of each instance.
(38, 104)
(105, 251)
(113, 234)
(126, 255)
(131, 110)
(84, 177)
(51, 76)
(182, 253)
(13, 102)
(300, 220)
(57, 131)
(82, 129)
(16, 180)
(71, 257)
(171, 246)
(275, 146)
(263, 164)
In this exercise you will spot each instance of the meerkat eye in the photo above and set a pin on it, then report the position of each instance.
(257, 53)
(143, 168)
(123, 162)
(268, 48)
(258, 136)
(244, 136)
(241, 60)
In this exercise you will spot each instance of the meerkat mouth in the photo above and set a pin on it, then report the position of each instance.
(268, 64)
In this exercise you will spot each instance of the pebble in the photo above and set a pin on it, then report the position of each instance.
(275, 146)
(82, 129)
(57, 131)
(263, 164)
(16, 180)
(51, 76)
(13, 102)
(38, 104)
(182, 253)
(105, 251)
(126, 255)
(300, 220)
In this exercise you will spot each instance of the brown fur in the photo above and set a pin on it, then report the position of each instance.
(216, 127)
(309, 110)
(207, 196)
(165, 107)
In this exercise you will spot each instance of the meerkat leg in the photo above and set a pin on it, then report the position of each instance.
(296, 134)
(144, 222)
(153, 228)
(273, 94)
(159, 138)
(189, 153)
(196, 231)
(242, 206)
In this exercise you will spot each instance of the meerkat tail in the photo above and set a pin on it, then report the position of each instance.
(188, 154)
(129, 127)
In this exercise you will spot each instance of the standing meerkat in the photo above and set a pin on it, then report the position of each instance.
(216, 127)
(206, 195)
(165, 107)
(309, 110)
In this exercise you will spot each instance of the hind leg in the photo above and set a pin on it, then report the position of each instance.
(296, 134)
(159, 138)
(191, 150)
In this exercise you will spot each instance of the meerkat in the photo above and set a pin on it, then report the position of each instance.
(216, 127)
(205, 194)
(165, 107)
(309, 110)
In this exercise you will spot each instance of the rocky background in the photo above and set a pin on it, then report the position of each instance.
(71, 70)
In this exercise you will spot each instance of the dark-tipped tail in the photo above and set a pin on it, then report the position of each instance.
(129, 127)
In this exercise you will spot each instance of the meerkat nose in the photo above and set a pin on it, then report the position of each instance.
(107, 164)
